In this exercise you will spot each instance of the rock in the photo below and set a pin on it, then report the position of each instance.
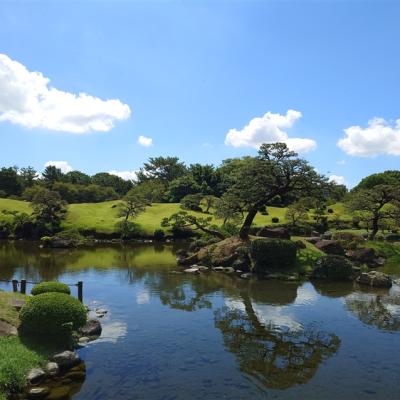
(375, 279)
(313, 239)
(202, 268)
(67, 359)
(38, 392)
(194, 270)
(59, 392)
(277, 233)
(247, 275)
(91, 328)
(176, 272)
(36, 376)
(76, 376)
(330, 247)
(52, 368)
(229, 270)
(241, 264)
(83, 340)
(218, 269)
(7, 330)
(379, 261)
(17, 303)
(362, 256)
(327, 235)
(333, 267)
(101, 312)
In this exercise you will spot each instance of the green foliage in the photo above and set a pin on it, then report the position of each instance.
(390, 178)
(165, 169)
(181, 187)
(52, 314)
(273, 254)
(9, 181)
(348, 240)
(133, 204)
(159, 235)
(50, 287)
(129, 230)
(192, 202)
(275, 220)
(333, 267)
(16, 360)
(106, 180)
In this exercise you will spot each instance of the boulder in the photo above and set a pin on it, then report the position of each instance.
(52, 368)
(313, 239)
(277, 233)
(7, 330)
(218, 269)
(362, 256)
(229, 270)
(247, 275)
(91, 328)
(38, 392)
(36, 376)
(192, 270)
(67, 359)
(375, 279)
(203, 268)
(330, 247)
(101, 312)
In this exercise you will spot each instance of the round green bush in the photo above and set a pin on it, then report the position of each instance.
(333, 267)
(275, 220)
(50, 287)
(52, 314)
(272, 254)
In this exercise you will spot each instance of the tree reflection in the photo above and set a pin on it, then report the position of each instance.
(276, 357)
(380, 309)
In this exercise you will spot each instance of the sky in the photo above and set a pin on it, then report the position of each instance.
(104, 85)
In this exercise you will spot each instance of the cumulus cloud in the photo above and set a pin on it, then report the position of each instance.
(27, 99)
(63, 165)
(270, 128)
(126, 175)
(145, 141)
(378, 138)
(340, 180)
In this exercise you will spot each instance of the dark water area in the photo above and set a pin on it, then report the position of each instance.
(215, 336)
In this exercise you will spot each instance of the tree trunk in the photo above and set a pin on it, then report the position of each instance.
(375, 227)
(244, 230)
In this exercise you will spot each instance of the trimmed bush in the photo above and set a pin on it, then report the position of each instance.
(275, 220)
(159, 235)
(50, 287)
(52, 315)
(330, 210)
(274, 254)
(333, 267)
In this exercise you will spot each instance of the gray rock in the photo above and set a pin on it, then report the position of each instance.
(91, 328)
(36, 376)
(229, 270)
(67, 359)
(330, 247)
(277, 233)
(101, 312)
(313, 240)
(83, 340)
(7, 330)
(218, 269)
(375, 279)
(248, 275)
(38, 392)
(52, 368)
(193, 270)
(203, 268)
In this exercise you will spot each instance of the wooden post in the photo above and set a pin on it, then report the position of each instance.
(80, 291)
(15, 285)
(23, 286)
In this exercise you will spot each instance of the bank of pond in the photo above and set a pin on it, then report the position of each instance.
(217, 330)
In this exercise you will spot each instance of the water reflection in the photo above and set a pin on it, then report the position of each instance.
(380, 308)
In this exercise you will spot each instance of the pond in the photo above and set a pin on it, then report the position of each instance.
(216, 336)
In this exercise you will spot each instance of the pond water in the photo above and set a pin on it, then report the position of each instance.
(215, 336)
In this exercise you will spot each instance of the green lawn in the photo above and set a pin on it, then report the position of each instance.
(102, 217)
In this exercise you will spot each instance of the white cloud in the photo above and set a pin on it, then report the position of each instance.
(270, 128)
(340, 180)
(341, 162)
(63, 165)
(126, 175)
(145, 141)
(378, 138)
(27, 99)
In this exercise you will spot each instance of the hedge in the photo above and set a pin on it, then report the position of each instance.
(50, 287)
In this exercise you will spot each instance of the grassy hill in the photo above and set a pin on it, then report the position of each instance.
(102, 217)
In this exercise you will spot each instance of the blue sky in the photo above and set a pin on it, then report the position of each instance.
(191, 71)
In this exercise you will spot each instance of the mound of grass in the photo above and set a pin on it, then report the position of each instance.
(15, 362)
(7, 312)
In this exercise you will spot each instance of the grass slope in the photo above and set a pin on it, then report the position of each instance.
(102, 217)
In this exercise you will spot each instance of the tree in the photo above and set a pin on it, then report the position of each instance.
(192, 202)
(52, 174)
(184, 220)
(133, 204)
(181, 187)
(296, 213)
(391, 178)
(229, 209)
(166, 169)
(48, 210)
(275, 172)
(28, 176)
(105, 179)
(78, 177)
(9, 181)
(153, 190)
(210, 201)
(375, 205)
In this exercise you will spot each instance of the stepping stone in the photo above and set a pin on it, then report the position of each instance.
(7, 329)
(17, 304)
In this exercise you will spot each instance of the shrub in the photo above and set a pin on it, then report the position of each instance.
(52, 315)
(50, 287)
(192, 202)
(159, 234)
(330, 210)
(129, 230)
(349, 240)
(333, 267)
(272, 254)
(275, 220)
